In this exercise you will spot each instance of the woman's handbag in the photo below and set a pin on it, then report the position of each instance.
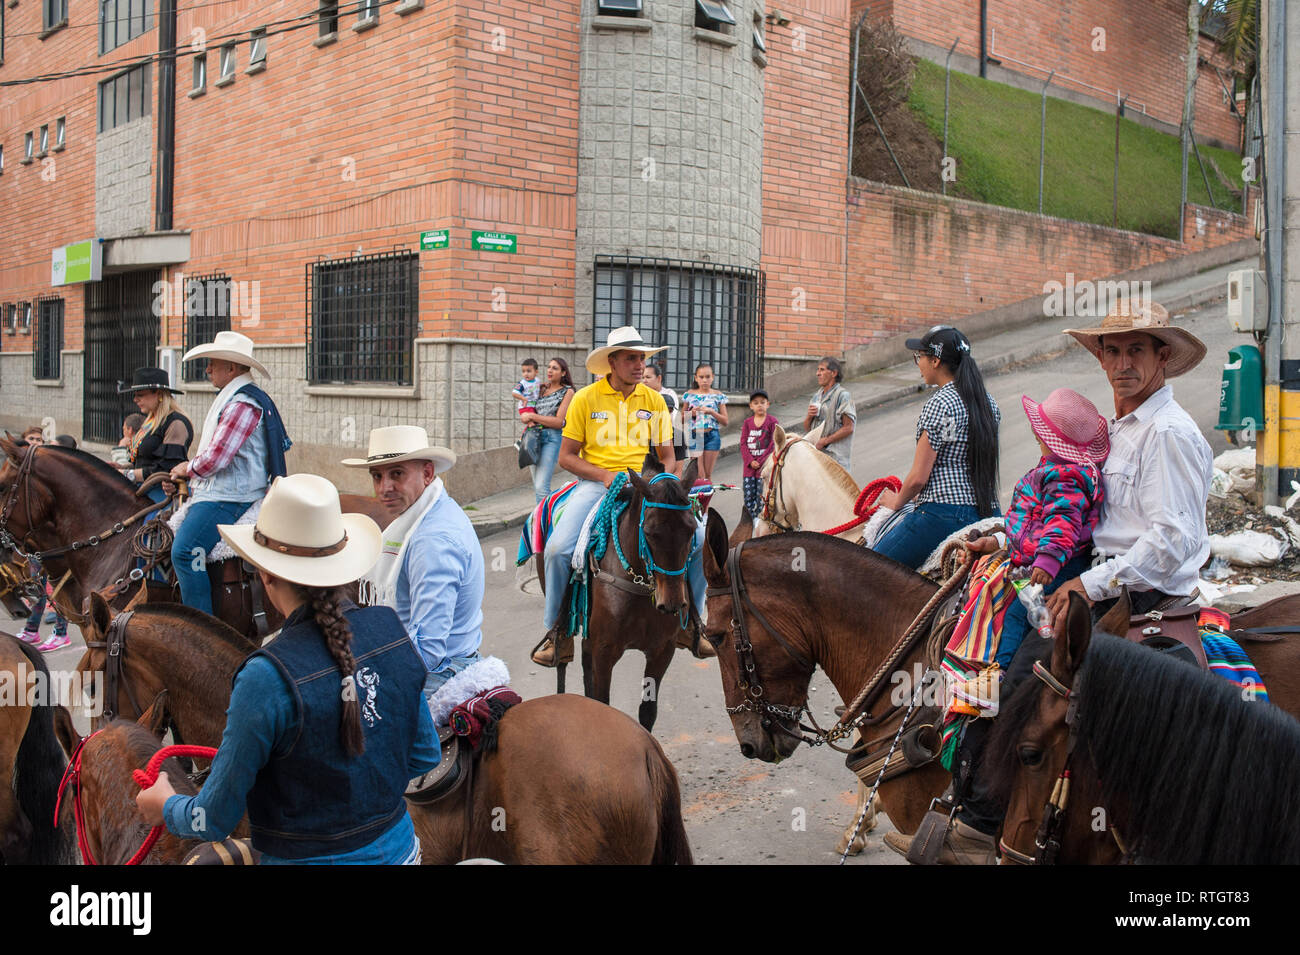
(530, 447)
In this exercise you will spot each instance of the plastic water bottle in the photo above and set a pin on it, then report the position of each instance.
(1031, 595)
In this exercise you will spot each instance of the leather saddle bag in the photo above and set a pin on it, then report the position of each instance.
(1172, 631)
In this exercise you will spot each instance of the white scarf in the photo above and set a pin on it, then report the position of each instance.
(214, 413)
(379, 587)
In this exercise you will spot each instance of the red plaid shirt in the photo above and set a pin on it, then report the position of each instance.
(236, 423)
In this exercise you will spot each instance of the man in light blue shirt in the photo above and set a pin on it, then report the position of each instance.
(431, 568)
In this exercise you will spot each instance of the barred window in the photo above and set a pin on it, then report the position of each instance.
(7, 318)
(328, 12)
(705, 312)
(362, 316)
(207, 311)
(49, 338)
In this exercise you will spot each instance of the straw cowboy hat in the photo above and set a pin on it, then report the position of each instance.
(403, 442)
(148, 379)
(303, 536)
(228, 346)
(1070, 425)
(626, 338)
(1153, 319)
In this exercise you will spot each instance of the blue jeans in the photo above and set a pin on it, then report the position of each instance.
(38, 610)
(703, 439)
(1015, 625)
(916, 536)
(450, 668)
(195, 539)
(548, 454)
(564, 538)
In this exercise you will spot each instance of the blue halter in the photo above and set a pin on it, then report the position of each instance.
(643, 546)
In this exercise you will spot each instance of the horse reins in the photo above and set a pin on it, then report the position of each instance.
(144, 778)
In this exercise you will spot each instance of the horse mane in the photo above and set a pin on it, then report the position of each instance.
(184, 615)
(1204, 777)
(834, 471)
(883, 571)
(103, 468)
(140, 745)
(38, 767)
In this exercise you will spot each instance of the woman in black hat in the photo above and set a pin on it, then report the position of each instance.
(163, 441)
(954, 474)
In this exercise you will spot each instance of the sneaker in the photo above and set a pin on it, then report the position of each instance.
(30, 636)
(547, 653)
(56, 641)
(978, 696)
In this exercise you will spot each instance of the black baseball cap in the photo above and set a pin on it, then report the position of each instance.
(758, 394)
(943, 342)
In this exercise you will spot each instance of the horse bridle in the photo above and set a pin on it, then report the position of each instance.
(114, 643)
(775, 491)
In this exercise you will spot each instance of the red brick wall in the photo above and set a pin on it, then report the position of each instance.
(804, 168)
(916, 259)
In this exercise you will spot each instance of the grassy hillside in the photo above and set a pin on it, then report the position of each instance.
(993, 133)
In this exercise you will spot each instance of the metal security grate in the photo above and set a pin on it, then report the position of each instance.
(207, 311)
(704, 312)
(121, 335)
(362, 316)
(46, 355)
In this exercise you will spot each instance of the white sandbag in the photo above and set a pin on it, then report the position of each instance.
(1220, 484)
(1239, 465)
(1248, 548)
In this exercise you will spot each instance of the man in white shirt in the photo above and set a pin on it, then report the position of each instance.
(1151, 537)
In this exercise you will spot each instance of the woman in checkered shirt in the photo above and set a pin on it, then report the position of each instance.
(954, 475)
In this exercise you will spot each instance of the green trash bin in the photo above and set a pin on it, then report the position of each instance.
(1241, 394)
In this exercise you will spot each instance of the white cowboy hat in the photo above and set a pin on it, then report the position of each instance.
(402, 442)
(302, 535)
(228, 346)
(1186, 349)
(626, 338)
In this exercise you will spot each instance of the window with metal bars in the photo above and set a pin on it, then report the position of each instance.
(49, 339)
(207, 311)
(328, 14)
(703, 312)
(362, 316)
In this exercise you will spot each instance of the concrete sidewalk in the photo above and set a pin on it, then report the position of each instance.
(996, 354)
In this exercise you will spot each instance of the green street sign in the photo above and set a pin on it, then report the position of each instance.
(436, 239)
(494, 241)
(79, 262)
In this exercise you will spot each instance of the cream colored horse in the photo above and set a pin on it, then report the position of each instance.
(813, 492)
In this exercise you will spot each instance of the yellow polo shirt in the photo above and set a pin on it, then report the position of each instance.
(616, 432)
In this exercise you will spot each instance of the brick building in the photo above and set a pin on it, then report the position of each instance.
(677, 164)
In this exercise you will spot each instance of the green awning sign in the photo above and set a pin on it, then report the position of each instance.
(79, 262)
(437, 239)
(494, 241)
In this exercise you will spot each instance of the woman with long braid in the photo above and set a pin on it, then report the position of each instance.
(327, 722)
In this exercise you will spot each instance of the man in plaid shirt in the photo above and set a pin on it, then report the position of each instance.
(240, 452)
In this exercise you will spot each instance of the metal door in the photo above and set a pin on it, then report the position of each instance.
(121, 336)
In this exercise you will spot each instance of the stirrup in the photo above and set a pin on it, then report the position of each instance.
(927, 844)
(565, 656)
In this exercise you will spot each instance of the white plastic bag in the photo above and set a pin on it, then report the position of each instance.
(1248, 548)
(1239, 465)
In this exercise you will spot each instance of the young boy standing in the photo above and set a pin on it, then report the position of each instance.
(756, 440)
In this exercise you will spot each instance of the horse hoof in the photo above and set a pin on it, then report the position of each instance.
(859, 844)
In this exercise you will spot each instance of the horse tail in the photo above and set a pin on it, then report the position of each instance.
(671, 847)
(38, 769)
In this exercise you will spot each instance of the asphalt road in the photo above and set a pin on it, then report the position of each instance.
(745, 811)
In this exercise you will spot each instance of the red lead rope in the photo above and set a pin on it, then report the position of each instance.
(866, 504)
(144, 779)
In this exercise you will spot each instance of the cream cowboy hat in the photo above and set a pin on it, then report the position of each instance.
(1187, 349)
(626, 338)
(302, 535)
(228, 346)
(402, 442)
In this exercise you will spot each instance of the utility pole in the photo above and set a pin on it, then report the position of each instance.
(1189, 100)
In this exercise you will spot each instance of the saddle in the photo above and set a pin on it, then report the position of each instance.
(448, 776)
(1172, 630)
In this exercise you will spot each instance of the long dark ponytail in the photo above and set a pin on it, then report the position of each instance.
(981, 435)
(325, 606)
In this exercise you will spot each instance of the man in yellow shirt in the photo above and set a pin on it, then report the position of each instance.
(610, 426)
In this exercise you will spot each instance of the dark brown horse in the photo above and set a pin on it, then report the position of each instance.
(571, 780)
(1165, 762)
(52, 497)
(31, 760)
(837, 606)
(633, 607)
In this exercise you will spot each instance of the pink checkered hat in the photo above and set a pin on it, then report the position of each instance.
(1069, 424)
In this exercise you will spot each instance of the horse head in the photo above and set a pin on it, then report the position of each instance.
(661, 506)
(765, 725)
(142, 683)
(1031, 743)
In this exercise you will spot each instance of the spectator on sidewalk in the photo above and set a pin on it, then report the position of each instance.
(548, 415)
(832, 408)
(757, 436)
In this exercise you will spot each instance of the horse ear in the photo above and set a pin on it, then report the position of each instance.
(778, 437)
(691, 472)
(638, 482)
(64, 730)
(101, 615)
(651, 465)
(744, 529)
(1117, 617)
(1070, 646)
(154, 718)
(10, 447)
(715, 550)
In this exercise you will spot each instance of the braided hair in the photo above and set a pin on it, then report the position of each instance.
(325, 606)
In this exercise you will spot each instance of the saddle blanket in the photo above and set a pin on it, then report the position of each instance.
(222, 551)
(538, 524)
(1228, 660)
(479, 677)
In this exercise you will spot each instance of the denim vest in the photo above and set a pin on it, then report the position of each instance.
(245, 477)
(313, 799)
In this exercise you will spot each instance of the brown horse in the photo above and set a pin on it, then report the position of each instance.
(632, 607)
(1171, 763)
(571, 780)
(1034, 721)
(54, 497)
(838, 606)
(31, 760)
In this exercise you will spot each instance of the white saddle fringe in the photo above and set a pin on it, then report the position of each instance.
(931, 565)
(479, 676)
(222, 551)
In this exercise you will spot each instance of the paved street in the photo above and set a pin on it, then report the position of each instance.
(743, 811)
